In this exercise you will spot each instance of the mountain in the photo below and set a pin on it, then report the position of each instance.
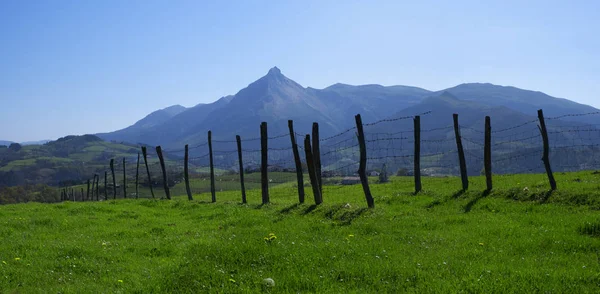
(373, 102)
(5, 143)
(524, 101)
(154, 119)
(275, 98)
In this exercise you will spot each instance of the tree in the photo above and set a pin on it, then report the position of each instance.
(383, 176)
(15, 147)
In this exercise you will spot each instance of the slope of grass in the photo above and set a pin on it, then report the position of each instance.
(517, 239)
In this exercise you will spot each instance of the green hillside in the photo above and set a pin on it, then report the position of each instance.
(69, 159)
(519, 238)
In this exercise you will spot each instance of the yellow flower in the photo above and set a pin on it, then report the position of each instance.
(350, 235)
(17, 259)
(120, 281)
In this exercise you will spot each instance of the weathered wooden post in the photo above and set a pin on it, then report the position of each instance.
(93, 188)
(212, 169)
(137, 177)
(145, 155)
(238, 139)
(461, 154)
(114, 180)
(487, 153)
(97, 187)
(186, 174)
(299, 176)
(546, 155)
(105, 185)
(317, 155)
(311, 171)
(417, 155)
(164, 172)
(124, 179)
(87, 195)
(362, 169)
(264, 168)
(81, 194)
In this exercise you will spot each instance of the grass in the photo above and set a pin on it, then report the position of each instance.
(519, 238)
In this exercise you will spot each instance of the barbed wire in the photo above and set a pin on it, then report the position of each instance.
(572, 115)
(515, 127)
(438, 129)
(396, 119)
(337, 135)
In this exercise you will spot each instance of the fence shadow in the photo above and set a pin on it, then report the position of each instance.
(474, 201)
(289, 208)
(546, 196)
(309, 209)
(458, 193)
(347, 217)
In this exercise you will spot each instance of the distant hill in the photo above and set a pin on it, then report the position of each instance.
(5, 143)
(524, 101)
(72, 158)
(40, 142)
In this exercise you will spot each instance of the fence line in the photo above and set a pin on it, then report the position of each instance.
(355, 154)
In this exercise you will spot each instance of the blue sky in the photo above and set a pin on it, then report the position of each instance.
(75, 67)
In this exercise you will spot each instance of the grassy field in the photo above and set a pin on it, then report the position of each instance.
(519, 238)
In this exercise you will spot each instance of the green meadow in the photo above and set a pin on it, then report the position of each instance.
(518, 238)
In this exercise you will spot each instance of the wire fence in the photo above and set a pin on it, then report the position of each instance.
(391, 147)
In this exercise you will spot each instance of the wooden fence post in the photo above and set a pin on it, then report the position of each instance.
(546, 156)
(238, 139)
(93, 188)
(186, 174)
(311, 171)
(417, 155)
(316, 151)
(87, 194)
(461, 154)
(97, 187)
(114, 180)
(145, 155)
(81, 194)
(164, 172)
(124, 179)
(264, 168)
(362, 169)
(137, 178)
(487, 153)
(299, 176)
(212, 168)
(105, 185)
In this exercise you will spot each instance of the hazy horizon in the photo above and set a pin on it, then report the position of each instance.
(91, 67)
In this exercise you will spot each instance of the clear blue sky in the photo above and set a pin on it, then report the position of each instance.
(75, 67)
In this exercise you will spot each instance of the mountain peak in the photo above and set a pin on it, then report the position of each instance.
(274, 71)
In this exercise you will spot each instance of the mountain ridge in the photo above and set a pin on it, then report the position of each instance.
(275, 98)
